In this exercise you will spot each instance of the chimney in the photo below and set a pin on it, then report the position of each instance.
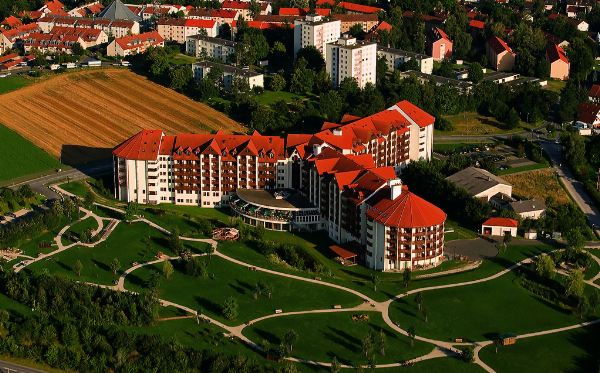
(337, 132)
(489, 178)
(396, 187)
(317, 149)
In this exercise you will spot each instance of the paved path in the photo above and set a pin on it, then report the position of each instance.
(442, 348)
(467, 267)
(6, 367)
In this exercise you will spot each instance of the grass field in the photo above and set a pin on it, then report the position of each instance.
(555, 85)
(325, 335)
(96, 260)
(478, 125)
(20, 157)
(530, 167)
(270, 97)
(30, 203)
(81, 226)
(12, 83)
(76, 187)
(493, 307)
(448, 146)
(83, 115)
(538, 184)
(570, 351)
(234, 280)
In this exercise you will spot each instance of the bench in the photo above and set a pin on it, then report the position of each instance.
(318, 278)
(459, 340)
(278, 311)
(337, 307)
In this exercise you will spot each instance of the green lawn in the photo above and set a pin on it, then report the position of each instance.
(478, 125)
(449, 146)
(221, 214)
(569, 351)
(482, 311)
(81, 226)
(12, 83)
(443, 365)
(76, 187)
(460, 232)
(530, 167)
(30, 203)
(20, 157)
(96, 261)
(182, 60)
(237, 281)
(556, 85)
(595, 268)
(324, 335)
(270, 97)
(13, 307)
(187, 227)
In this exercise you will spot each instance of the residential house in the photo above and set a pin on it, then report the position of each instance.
(430, 21)
(589, 114)
(499, 55)
(438, 45)
(366, 21)
(33, 15)
(12, 38)
(90, 37)
(302, 12)
(480, 183)
(245, 8)
(134, 44)
(220, 15)
(500, 201)
(178, 29)
(476, 28)
(396, 57)
(559, 64)
(373, 35)
(553, 39)
(199, 26)
(11, 22)
(348, 58)
(594, 93)
(315, 31)
(351, 8)
(461, 85)
(151, 13)
(51, 43)
(253, 78)
(120, 28)
(87, 10)
(213, 47)
(499, 227)
(529, 209)
(53, 7)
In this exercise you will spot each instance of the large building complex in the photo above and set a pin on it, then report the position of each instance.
(348, 58)
(329, 181)
(211, 47)
(316, 32)
(396, 57)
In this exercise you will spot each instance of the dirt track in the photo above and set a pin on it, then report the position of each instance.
(84, 115)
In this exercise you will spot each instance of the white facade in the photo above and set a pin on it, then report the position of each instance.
(316, 32)
(494, 230)
(214, 47)
(251, 77)
(396, 57)
(349, 58)
(421, 138)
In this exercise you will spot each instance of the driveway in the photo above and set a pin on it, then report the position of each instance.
(476, 249)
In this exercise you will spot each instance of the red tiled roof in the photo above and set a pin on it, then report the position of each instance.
(351, 6)
(426, 17)
(422, 118)
(21, 31)
(87, 34)
(477, 24)
(12, 21)
(230, 4)
(589, 109)
(8, 57)
(498, 45)
(204, 23)
(302, 12)
(555, 53)
(144, 146)
(224, 13)
(407, 211)
(134, 41)
(594, 91)
(33, 14)
(501, 222)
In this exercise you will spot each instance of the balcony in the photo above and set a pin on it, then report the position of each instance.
(152, 177)
(153, 170)
(228, 168)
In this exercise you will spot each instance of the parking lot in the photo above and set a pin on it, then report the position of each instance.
(503, 155)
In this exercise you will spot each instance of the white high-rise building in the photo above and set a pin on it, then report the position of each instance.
(350, 58)
(316, 31)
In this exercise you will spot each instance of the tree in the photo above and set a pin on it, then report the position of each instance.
(575, 240)
(545, 267)
(367, 343)
(468, 354)
(278, 53)
(77, 49)
(284, 350)
(323, 81)
(419, 299)
(507, 238)
(230, 308)
(313, 57)
(574, 283)
(198, 314)
(290, 339)
(406, 276)
(256, 289)
(382, 342)
(412, 332)
(4, 317)
(25, 191)
(175, 243)
(411, 65)
(375, 280)
(130, 211)
(381, 68)
(595, 300)
(335, 365)
(475, 72)
(167, 269)
(582, 307)
(497, 343)
(90, 198)
(69, 206)
(115, 266)
(303, 78)
(277, 83)
(330, 105)
(265, 345)
(513, 120)
(154, 280)
(78, 268)
(210, 250)
(426, 313)
(269, 289)
(180, 77)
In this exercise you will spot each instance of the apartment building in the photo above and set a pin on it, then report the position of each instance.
(134, 44)
(396, 57)
(90, 37)
(366, 21)
(178, 29)
(348, 57)
(253, 78)
(214, 47)
(315, 31)
(244, 8)
(9, 39)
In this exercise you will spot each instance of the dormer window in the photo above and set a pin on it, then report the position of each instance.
(187, 153)
(179, 152)
(234, 153)
(261, 155)
(271, 155)
(224, 153)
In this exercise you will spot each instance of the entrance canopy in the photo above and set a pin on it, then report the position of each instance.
(347, 250)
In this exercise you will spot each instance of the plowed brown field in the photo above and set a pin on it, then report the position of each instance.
(84, 115)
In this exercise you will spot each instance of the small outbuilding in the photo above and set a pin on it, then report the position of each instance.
(499, 227)
(507, 339)
(533, 209)
(531, 234)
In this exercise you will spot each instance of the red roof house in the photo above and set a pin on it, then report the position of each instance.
(559, 64)
(499, 227)
(438, 44)
(500, 56)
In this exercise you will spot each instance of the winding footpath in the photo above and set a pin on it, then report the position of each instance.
(442, 348)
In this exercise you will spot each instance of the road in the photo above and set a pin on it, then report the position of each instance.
(38, 185)
(6, 367)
